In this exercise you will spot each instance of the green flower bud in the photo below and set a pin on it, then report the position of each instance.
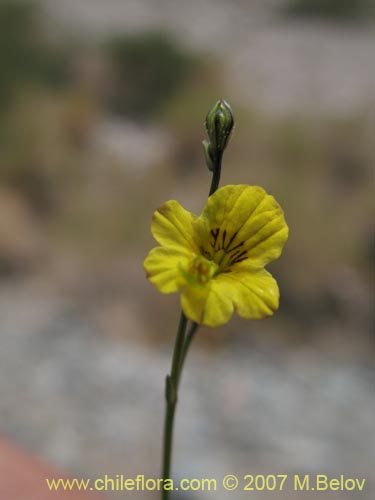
(219, 124)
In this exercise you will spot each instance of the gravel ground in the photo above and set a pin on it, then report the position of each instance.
(92, 406)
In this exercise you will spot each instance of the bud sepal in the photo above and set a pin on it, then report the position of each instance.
(219, 124)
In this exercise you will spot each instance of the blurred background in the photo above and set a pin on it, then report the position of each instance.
(102, 107)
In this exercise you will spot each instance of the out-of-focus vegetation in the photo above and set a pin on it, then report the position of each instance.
(65, 195)
(25, 54)
(50, 102)
(349, 10)
(149, 68)
(54, 100)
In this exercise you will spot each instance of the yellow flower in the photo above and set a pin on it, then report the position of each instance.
(217, 260)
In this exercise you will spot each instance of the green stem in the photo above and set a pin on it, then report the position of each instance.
(181, 349)
(216, 172)
(171, 391)
(188, 339)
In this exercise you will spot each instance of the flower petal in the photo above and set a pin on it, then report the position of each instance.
(206, 304)
(255, 293)
(172, 226)
(248, 218)
(162, 266)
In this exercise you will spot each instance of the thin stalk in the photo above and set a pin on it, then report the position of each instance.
(171, 391)
(181, 349)
(216, 173)
(188, 339)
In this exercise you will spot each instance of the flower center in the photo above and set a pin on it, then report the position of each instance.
(224, 249)
(201, 270)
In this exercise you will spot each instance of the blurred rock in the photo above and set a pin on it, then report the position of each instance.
(135, 146)
(272, 63)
